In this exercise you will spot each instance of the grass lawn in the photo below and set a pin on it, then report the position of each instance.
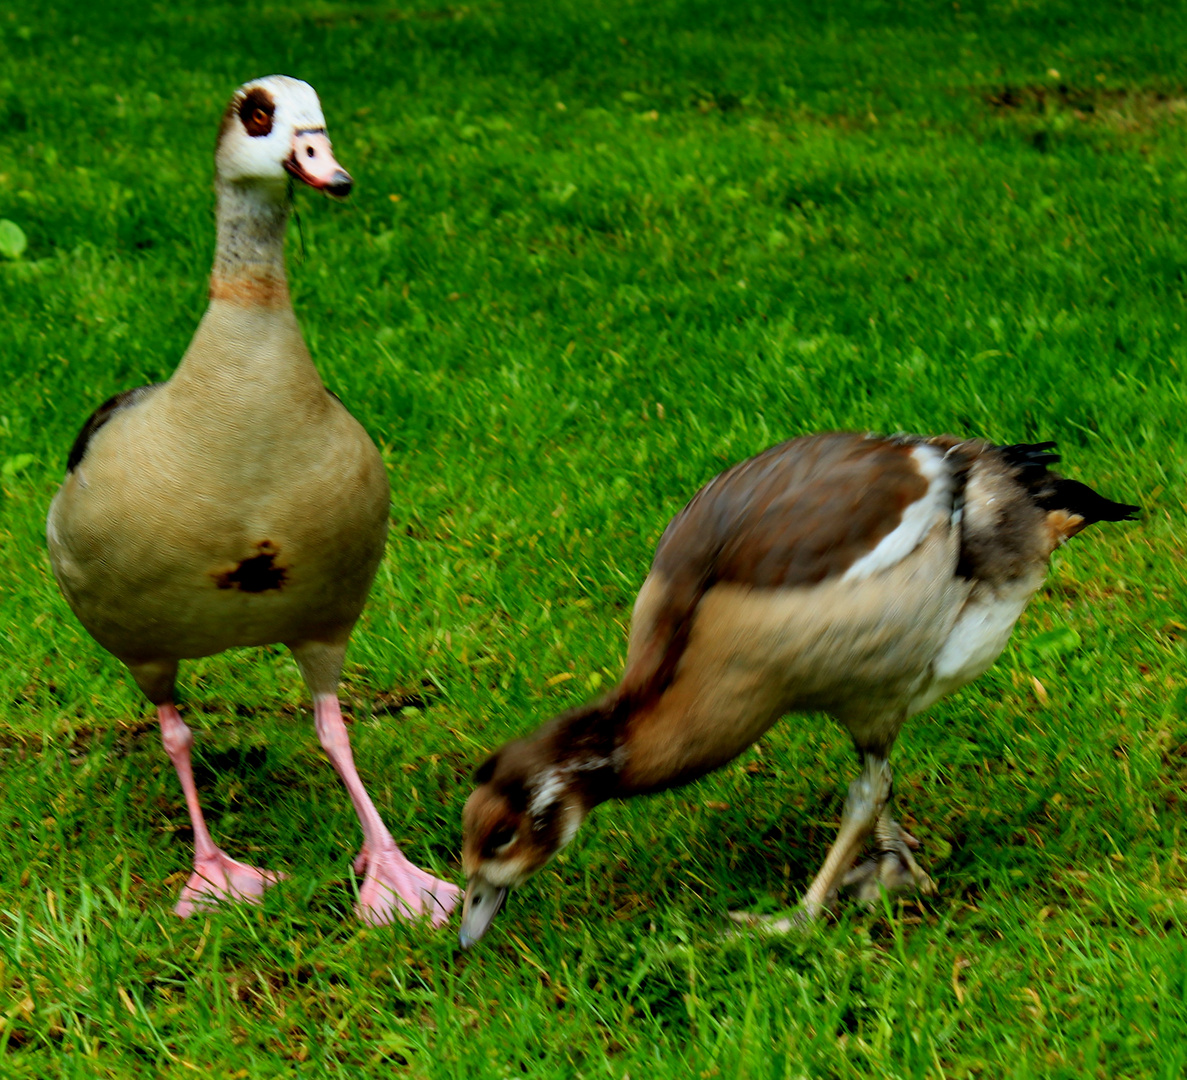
(597, 251)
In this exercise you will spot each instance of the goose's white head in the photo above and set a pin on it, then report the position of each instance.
(274, 128)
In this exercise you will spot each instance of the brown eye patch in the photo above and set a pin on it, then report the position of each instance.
(499, 836)
(255, 112)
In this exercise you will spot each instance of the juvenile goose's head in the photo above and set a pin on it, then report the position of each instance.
(530, 801)
(274, 128)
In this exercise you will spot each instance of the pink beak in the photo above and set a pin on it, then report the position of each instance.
(312, 161)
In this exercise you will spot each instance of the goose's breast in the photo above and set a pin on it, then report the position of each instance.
(182, 546)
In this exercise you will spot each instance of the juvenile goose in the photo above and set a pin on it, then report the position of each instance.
(239, 503)
(861, 576)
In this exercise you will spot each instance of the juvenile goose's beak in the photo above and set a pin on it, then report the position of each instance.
(312, 161)
(482, 904)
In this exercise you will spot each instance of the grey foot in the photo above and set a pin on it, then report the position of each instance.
(797, 922)
(894, 870)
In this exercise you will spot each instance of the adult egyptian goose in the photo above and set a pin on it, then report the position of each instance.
(861, 576)
(239, 503)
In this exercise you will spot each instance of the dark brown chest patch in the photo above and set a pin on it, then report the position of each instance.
(257, 574)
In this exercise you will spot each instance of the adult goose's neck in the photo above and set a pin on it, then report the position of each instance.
(249, 251)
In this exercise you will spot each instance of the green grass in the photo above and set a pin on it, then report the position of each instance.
(598, 251)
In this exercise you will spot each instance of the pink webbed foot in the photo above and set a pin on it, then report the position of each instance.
(392, 887)
(219, 878)
(395, 888)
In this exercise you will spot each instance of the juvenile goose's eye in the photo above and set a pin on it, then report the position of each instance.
(500, 838)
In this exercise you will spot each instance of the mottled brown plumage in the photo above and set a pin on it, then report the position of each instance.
(860, 576)
(773, 522)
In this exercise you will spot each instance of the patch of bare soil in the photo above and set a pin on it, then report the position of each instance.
(1119, 109)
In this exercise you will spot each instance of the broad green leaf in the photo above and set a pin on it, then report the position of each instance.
(1056, 642)
(15, 464)
(12, 239)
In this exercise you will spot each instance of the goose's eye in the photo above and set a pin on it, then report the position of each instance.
(256, 111)
(309, 151)
(500, 839)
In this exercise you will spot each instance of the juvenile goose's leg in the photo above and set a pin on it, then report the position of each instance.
(392, 886)
(863, 808)
(894, 867)
(864, 805)
(216, 875)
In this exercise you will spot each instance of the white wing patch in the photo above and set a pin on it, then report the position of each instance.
(573, 815)
(918, 519)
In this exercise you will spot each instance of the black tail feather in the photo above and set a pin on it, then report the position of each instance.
(1054, 492)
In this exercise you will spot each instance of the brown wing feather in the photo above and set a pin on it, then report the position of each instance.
(796, 514)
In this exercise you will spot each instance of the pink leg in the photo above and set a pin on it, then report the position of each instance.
(392, 885)
(216, 875)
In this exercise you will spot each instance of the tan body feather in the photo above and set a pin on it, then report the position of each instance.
(243, 447)
(239, 503)
(859, 576)
(859, 650)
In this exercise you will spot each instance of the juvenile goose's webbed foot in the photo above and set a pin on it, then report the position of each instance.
(893, 868)
(798, 921)
(865, 808)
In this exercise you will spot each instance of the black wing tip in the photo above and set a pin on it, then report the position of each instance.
(1071, 495)
(1123, 512)
(485, 771)
(98, 418)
